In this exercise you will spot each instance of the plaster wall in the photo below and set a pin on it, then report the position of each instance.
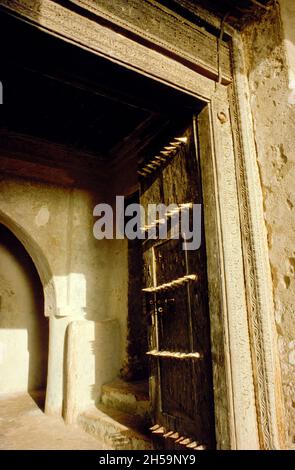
(287, 8)
(273, 115)
(88, 278)
(93, 354)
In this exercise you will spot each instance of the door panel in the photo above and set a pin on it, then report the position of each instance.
(176, 305)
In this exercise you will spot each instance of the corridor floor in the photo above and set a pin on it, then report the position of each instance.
(24, 426)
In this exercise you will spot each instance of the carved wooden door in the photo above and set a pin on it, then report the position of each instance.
(176, 304)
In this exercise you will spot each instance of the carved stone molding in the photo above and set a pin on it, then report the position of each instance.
(151, 21)
(257, 269)
(253, 400)
(244, 433)
(103, 41)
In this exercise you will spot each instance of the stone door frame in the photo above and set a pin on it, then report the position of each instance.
(146, 37)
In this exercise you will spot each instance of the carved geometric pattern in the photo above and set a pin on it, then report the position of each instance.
(265, 409)
(106, 42)
(151, 21)
(158, 54)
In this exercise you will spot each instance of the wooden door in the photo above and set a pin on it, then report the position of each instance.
(176, 304)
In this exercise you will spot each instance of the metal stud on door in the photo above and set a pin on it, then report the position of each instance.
(176, 303)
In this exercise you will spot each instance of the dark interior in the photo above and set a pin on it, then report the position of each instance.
(63, 94)
(238, 12)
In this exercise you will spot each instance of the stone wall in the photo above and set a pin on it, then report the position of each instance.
(274, 126)
(83, 278)
(288, 19)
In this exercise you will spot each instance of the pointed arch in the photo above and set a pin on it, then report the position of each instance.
(39, 259)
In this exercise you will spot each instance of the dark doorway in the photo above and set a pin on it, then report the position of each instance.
(107, 124)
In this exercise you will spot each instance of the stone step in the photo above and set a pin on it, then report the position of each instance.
(128, 397)
(115, 429)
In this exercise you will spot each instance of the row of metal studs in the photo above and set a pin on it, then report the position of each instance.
(177, 438)
(174, 355)
(170, 285)
(158, 160)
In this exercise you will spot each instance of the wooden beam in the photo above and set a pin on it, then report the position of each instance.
(142, 21)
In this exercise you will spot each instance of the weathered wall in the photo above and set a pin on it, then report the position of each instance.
(23, 327)
(88, 277)
(60, 221)
(288, 20)
(93, 353)
(274, 127)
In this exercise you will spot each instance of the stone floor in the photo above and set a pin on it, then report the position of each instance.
(24, 426)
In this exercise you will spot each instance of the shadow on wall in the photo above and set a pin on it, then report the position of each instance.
(270, 53)
(23, 326)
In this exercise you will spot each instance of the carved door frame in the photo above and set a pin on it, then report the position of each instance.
(146, 37)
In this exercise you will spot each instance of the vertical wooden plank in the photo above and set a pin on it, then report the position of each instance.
(219, 338)
(243, 405)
